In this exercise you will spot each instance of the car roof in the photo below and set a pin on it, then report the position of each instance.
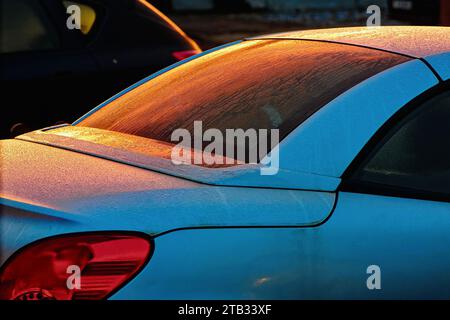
(413, 41)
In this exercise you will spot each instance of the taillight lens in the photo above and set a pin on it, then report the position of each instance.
(88, 266)
(181, 55)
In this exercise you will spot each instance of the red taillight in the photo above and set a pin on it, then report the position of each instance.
(48, 269)
(181, 55)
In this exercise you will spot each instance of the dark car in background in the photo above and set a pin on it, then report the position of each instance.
(421, 12)
(52, 74)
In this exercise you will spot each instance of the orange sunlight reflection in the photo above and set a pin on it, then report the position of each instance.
(172, 25)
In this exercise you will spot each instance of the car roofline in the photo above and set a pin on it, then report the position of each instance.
(338, 36)
(271, 37)
(423, 59)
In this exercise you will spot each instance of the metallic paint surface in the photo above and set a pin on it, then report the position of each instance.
(308, 156)
(73, 192)
(441, 63)
(414, 41)
(408, 239)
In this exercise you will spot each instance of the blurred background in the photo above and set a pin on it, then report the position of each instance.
(212, 22)
(61, 58)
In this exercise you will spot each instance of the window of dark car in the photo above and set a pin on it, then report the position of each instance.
(259, 84)
(415, 154)
(25, 27)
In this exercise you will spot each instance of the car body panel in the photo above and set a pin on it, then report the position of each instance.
(154, 202)
(431, 43)
(230, 233)
(408, 239)
(329, 140)
(129, 40)
(150, 154)
(441, 63)
(152, 76)
(346, 124)
(417, 42)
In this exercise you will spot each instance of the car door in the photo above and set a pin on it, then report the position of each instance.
(393, 210)
(44, 64)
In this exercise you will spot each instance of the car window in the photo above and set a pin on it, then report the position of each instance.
(259, 84)
(24, 27)
(415, 155)
(87, 16)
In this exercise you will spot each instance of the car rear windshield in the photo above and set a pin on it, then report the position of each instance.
(258, 84)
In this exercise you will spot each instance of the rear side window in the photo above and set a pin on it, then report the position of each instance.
(415, 155)
(24, 27)
(259, 84)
